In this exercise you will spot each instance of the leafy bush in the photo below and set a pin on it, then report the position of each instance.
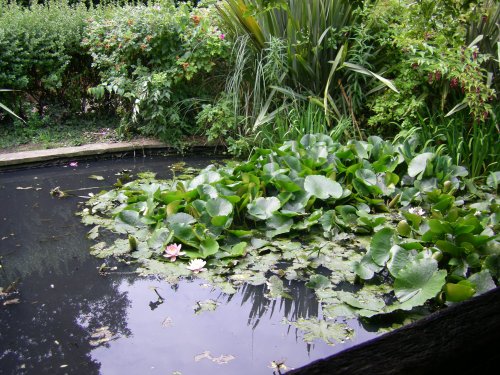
(157, 62)
(40, 53)
(433, 65)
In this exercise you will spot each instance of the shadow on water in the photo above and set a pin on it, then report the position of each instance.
(152, 326)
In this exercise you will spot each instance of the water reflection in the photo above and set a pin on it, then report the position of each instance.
(154, 326)
(303, 304)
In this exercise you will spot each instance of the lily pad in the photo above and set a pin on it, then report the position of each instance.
(331, 332)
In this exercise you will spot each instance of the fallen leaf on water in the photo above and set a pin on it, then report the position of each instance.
(279, 366)
(223, 359)
(220, 360)
(57, 192)
(205, 354)
(167, 322)
(207, 305)
(95, 177)
(13, 301)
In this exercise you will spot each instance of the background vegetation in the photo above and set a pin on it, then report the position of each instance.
(251, 73)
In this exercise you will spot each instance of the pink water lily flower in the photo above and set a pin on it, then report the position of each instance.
(196, 265)
(172, 251)
(73, 164)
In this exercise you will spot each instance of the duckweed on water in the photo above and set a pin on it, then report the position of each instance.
(405, 226)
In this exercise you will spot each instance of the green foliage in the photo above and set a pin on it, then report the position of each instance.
(318, 191)
(155, 60)
(435, 67)
(296, 55)
(472, 145)
(40, 52)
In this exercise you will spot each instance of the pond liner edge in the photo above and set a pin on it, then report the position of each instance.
(460, 339)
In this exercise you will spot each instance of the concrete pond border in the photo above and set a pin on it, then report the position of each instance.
(134, 148)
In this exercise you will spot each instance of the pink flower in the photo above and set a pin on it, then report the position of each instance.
(196, 265)
(73, 164)
(222, 36)
(172, 251)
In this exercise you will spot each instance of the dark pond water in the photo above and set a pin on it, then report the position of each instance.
(64, 299)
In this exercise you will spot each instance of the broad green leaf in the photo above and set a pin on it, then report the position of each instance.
(238, 249)
(373, 304)
(419, 163)
(380, 246)
(219, 207)
(181, 218)
(131, 218)
(263, 208)
(318, 282)
(276, 288)
(330, 332)
(159, 238)
(204, 306)
(278, 224)
(482, 282)
(366, 176)
(399, 258)
(366, 267)
(208, 247)
(322, 187)
(416, 283)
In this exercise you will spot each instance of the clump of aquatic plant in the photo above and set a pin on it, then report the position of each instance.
(406, 225)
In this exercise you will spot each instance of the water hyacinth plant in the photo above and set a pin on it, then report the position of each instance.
(406, 224)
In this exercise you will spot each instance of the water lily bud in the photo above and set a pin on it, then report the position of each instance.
(403, 228)
(394, 201)
(441, 298)
(447, 186)
(438, 255)
(132, 241)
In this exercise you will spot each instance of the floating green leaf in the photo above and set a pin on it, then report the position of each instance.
(263, 208)
(418, 282)
(219, 207)
(318, 282)
(330, 332)
(322, 187)
(380, 246)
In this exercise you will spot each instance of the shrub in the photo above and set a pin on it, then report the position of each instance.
(433, 65)
(40, 53)
(157, 62)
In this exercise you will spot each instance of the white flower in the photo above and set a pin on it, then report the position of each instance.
(416, 211)
(196, 265)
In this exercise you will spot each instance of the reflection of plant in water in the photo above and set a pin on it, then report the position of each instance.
(303, 303)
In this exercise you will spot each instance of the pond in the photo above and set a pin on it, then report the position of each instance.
(72, 318)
